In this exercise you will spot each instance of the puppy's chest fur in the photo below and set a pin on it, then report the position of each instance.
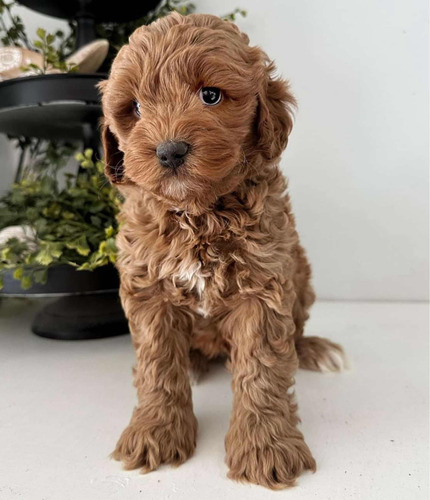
(204, 261)
(204, 272)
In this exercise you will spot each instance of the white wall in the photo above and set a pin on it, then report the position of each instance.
(358, 156)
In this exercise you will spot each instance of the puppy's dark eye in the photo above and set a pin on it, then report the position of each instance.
(210, 95)
(136, 105)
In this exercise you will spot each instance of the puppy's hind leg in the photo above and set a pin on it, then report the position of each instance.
(207, 344)
(320, 355)
(199, 365)
(314, 353)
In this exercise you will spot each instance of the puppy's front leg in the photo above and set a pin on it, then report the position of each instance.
(163, 427)
(263, 443)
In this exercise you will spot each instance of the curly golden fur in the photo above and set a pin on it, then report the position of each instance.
(209, 256)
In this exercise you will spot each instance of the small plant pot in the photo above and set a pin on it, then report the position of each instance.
(81, 317)
(88, 307)
(65, 280)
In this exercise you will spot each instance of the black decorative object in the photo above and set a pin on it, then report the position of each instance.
(64, 279)
(87, 12)
(82, 317)
(62, 106)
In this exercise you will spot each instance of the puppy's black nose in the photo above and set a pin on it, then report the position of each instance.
(172, 154)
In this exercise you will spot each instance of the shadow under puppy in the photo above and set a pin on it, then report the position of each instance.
(209, 256)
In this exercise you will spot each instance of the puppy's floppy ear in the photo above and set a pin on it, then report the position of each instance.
(274, 119)
(113, 157)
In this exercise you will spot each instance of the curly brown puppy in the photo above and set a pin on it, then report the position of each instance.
(209, 255)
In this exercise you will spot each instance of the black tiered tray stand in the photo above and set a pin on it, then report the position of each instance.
(63, 106)
(67, 106)
(86, 12)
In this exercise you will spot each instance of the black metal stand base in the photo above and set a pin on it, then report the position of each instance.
(82, 317)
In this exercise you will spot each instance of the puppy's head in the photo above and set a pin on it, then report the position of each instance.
(188, 106)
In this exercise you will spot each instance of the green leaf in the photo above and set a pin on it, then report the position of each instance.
(88, 153)
(95, 220)
(18, 273)
(26, 282)
(109, 232)
(110, 246)
(100, 166)
(4, 254)
(44, 258)
(80, 245)
(40, 276)
(41, 33)
(87, 164)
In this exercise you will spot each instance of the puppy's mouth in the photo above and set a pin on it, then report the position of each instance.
(175, 185)
(178, 171)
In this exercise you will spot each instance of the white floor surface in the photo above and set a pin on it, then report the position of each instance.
(63, 405)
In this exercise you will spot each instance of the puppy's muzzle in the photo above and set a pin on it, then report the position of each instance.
(172, 154)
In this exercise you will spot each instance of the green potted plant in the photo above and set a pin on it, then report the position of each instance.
(73, 225)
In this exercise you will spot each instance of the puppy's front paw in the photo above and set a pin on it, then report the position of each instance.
(146, 444)
(275, 464)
